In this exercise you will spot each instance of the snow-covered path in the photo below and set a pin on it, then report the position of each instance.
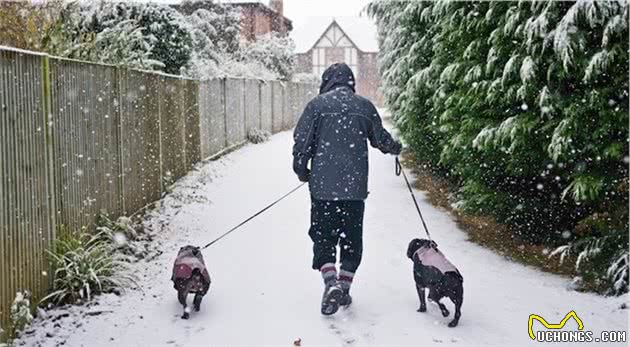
(264, 292)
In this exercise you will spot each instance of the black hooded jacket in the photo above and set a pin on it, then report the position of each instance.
(332, 133)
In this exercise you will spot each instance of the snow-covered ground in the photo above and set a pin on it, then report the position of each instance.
(264, 292)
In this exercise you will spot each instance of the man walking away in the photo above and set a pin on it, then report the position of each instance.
(332, 134)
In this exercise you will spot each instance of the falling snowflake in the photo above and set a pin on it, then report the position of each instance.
(120, 239)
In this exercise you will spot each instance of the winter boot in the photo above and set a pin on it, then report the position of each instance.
(346, 299)
(331, 299)
(345, 281)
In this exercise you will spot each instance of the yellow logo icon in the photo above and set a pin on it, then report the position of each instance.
(533, 317)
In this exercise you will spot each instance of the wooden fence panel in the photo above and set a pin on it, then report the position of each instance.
(235, 110)
(212, 114)
(172, 130)
(252, 105)
(140, 138)
(277, 92)
(26, 211)
(266, 107)
(191, 118)
(85, 112)
(291, 105)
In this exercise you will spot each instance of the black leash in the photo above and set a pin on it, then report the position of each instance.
(399, 170)
(254, 216)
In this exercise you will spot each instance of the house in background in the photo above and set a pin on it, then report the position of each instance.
(352, 40)
(257, 18)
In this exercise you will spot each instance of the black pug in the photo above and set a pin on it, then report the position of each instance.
(432, 270)
(190, 276)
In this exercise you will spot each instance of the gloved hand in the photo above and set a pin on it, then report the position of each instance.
(396, 148)
(300, 167)
(305, 176)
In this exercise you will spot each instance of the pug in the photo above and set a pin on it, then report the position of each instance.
(431, 270)
(190, 276)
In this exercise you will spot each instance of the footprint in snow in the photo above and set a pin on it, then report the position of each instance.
(346, 336)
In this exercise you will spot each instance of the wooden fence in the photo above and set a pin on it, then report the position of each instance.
(79, 139)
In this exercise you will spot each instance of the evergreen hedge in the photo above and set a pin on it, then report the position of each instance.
(524, 105)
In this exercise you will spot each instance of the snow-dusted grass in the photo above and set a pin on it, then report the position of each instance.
(85, 265)
(264, 292)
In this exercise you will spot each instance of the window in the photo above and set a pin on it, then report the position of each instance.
(319, 61)
(334, 47)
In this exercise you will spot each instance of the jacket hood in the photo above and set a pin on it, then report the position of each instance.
(337, 75)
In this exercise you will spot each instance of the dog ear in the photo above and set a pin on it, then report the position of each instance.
(413, 247)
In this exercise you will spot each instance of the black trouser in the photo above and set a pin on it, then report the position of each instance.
(337, 222)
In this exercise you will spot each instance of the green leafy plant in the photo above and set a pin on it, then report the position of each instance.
(20, 317)
(256, 135)
(85, 265)
(147, 36)
(123, 235)
(603, 260)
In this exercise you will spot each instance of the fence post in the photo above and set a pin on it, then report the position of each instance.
(182, 102)
(272, 105)
(159, 86)
(225, 115)
(260, 105)
(47, 106)
(244, 97)
(120, 131)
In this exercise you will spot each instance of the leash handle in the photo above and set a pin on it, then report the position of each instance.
(253, 216)
(399, 170)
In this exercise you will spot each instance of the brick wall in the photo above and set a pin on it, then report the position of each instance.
(257, 21)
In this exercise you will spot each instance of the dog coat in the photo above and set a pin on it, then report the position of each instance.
(186, 262)
(430, 256)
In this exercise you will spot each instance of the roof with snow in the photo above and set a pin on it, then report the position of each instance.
(360, 30)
